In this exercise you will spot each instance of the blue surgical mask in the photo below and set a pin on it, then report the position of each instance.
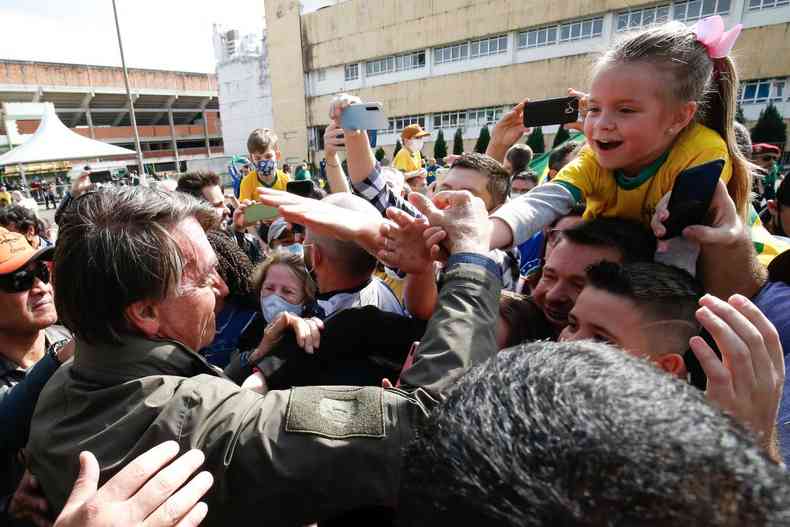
(273, 305)
(294, 248)
(266, 167)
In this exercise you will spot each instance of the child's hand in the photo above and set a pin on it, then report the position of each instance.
(583, 105)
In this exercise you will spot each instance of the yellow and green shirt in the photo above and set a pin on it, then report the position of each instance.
(251, 182)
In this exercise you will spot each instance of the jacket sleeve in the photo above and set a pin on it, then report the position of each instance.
(461, 332)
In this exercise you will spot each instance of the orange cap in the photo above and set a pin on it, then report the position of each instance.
(413, 131)
(15, 251)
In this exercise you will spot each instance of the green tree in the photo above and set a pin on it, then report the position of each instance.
(380, 154)
(458, 142)
(482, 140)
(440, 147)
(398, 146)
(561, 136)
(739, 115)
(770, 127)
(536, 142)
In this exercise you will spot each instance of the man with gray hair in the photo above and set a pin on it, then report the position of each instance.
(138, 286)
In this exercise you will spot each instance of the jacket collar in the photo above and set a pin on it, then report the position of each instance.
(138, 357)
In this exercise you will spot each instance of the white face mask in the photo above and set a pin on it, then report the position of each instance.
(294, 248)
(415, 145)
(273, 305)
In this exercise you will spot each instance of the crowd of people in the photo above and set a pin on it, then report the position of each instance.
(471, 344)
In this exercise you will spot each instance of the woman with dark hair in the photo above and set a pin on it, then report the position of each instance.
(236, 311)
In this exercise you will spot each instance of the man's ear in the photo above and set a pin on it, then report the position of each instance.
(317, 256)
(143, 316)
(672, 363)
(30, 235)
(772, 208)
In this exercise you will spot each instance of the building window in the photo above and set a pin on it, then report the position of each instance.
(766, 4)
(397, 124)
(322, 75)
(642, 18)
(454, 53)
(393, 63)
(488, 46)
(565, 32)
(762, 91)
(352, 72)
(449, 119)
(481, 117)
(696, 9)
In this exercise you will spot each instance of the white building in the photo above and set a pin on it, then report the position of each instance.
(245, 88)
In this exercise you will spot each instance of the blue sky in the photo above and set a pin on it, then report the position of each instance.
(161, 34)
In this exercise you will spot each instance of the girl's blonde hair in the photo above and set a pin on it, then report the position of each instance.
(292, 261)
(674, 49)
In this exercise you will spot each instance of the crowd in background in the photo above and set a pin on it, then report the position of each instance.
(421, 342)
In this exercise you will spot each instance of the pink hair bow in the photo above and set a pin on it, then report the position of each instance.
(710, 32)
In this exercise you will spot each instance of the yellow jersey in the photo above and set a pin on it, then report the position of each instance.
(405, 161)
(609, 194)
(251, 182)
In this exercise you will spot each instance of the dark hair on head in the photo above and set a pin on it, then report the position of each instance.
(580, 434)
(498, 178)
(635, 242)
(234, 266)
(557, 157)
(193, 183)
(519, 155)
(116, 247)
(693, 76)
(526, 175)
(783, 192)
(661, 292)
(524, 319)
(19, 219)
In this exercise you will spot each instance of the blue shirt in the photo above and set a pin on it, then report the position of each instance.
(774, 301)
(231, 323)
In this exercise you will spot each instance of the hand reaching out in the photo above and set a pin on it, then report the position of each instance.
(307, 331)
(508, 131)
(459, 221)
(149, 491)
(404, 243)
(747, 383)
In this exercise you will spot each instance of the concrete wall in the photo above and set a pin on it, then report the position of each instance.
(284, 47)
(48, 74)
(245, 100)
(362, 29)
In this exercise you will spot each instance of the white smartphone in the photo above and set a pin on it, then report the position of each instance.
(364, 116)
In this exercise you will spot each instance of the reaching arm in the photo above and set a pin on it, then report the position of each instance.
(518, 220)
(333, 141)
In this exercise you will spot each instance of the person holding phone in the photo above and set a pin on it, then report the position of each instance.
(640, 138)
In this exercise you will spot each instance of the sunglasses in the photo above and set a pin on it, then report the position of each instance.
(22, 279)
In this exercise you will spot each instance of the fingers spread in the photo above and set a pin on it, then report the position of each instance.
(126, 482)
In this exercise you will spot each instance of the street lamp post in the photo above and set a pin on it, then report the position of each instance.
(140, 161)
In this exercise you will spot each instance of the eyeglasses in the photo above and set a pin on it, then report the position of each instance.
(23, 279)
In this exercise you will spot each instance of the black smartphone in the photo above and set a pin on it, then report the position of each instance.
(300, 188)
(551, 111)
(691, 196)
(696, 375)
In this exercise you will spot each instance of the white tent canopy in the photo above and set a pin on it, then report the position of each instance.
(53, 141)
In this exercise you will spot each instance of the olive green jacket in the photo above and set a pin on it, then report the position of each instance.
(286, 458)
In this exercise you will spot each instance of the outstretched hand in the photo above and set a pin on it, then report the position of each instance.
(326, 219)
(508, 131)
(404, 244)
(747, 383)
(459, 222)
(149, 491)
